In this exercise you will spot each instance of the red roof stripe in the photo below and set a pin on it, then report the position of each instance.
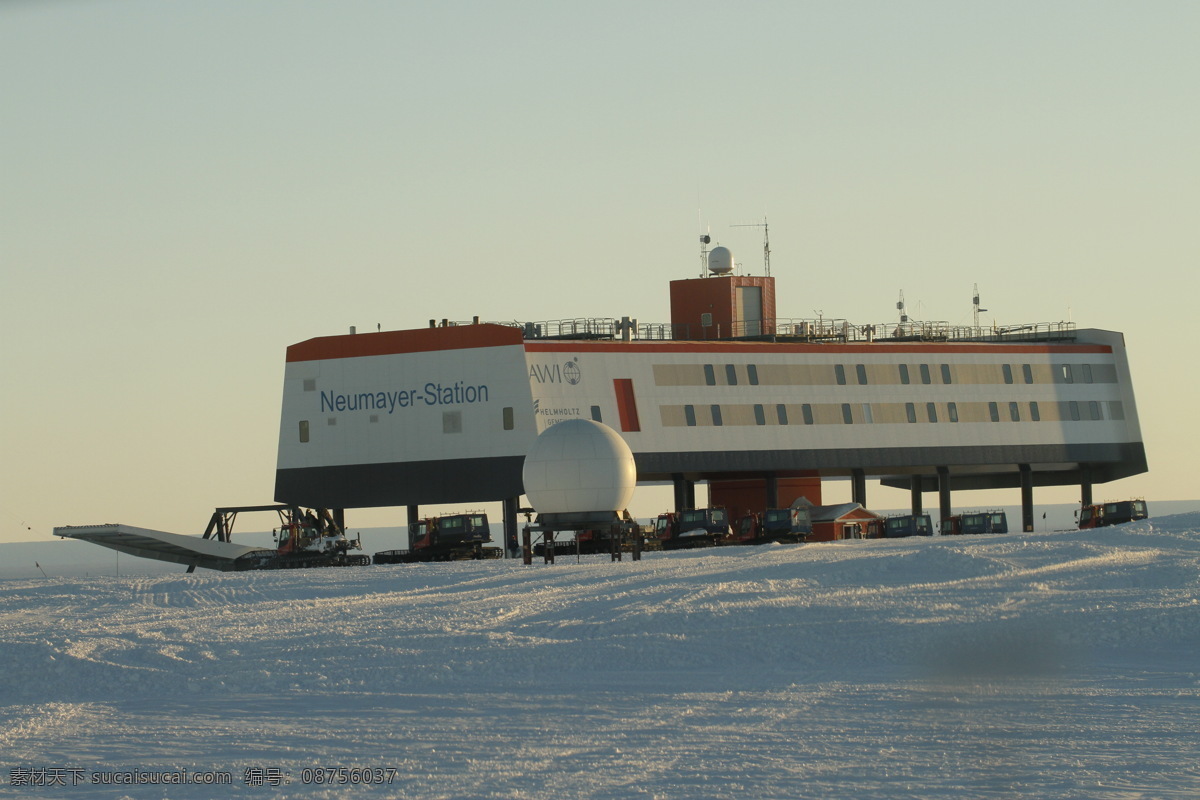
(420, 340)
(462, 337)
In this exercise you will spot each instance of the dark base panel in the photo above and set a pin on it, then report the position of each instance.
(481, 480)
(985, 467)
(474, 480)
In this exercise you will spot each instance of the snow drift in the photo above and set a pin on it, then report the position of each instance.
(1058, 665)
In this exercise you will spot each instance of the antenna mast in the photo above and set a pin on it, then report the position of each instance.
(766, 242)
(975, 304)
(705, 239)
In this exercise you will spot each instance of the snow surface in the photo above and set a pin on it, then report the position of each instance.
(1049, 665)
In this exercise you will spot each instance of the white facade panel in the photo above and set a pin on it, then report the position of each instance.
(676, 390)
(435, 405)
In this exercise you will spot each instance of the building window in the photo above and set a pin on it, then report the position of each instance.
(1008, 376)
(752, 374)
(596, 414)
(931, 411)
(806, 410)
(1116, 409)
(506, 414)
(760, 416)
(1027, 372)
(1034, 413)
(1087, 373)
(716, 414)
(1094, 409)
(861, 371)
(847, 414)
(994, 411)
(925, 374)
(946, 374)
(451, 422)
(781, 412)
(304, 431)
(911, 410)
(904, 374)
(839, 372)
(1068, 375)
(731, 374)
(1014, 412)
(952, 411)
(710, 375)
(868, 415)
(689, 415)
(1074, 406)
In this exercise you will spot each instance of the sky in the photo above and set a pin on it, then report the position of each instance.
(187, 188)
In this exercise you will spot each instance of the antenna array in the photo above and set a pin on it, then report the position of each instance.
(766, 242)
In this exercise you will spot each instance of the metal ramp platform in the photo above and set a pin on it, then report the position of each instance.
(192, 551)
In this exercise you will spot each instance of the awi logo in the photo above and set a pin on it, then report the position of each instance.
(567, 372)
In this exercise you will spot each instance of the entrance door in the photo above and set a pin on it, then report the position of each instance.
(748, 311)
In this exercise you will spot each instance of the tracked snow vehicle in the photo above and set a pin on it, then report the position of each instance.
(306, 541)
(453, 537)
(695, 527)
(901, 525)
(775, 525)
(1105, 514)
(975, 522)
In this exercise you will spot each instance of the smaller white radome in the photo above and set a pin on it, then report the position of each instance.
(720, 261)
(577, 466)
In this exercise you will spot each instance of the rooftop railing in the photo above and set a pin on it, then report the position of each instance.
(784, 329)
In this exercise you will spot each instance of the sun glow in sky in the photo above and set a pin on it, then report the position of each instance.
(188, 188)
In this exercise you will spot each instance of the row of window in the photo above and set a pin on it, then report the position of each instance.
(884, 374)
(718, 415)
(451, 421)
(1063, 373)
(868, 413)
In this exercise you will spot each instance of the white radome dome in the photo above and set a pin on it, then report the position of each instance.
(578, 466)
(720, 260)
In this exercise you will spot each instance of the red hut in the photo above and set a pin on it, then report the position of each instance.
(843, 521)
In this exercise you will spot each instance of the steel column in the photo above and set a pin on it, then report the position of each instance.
(858, 487)
(1026, 497)
(511, 512)
(772, 484)
(944, 507)
(677, 483)
(685, 492)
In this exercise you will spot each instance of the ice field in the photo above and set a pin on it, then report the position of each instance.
(1047, 665)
